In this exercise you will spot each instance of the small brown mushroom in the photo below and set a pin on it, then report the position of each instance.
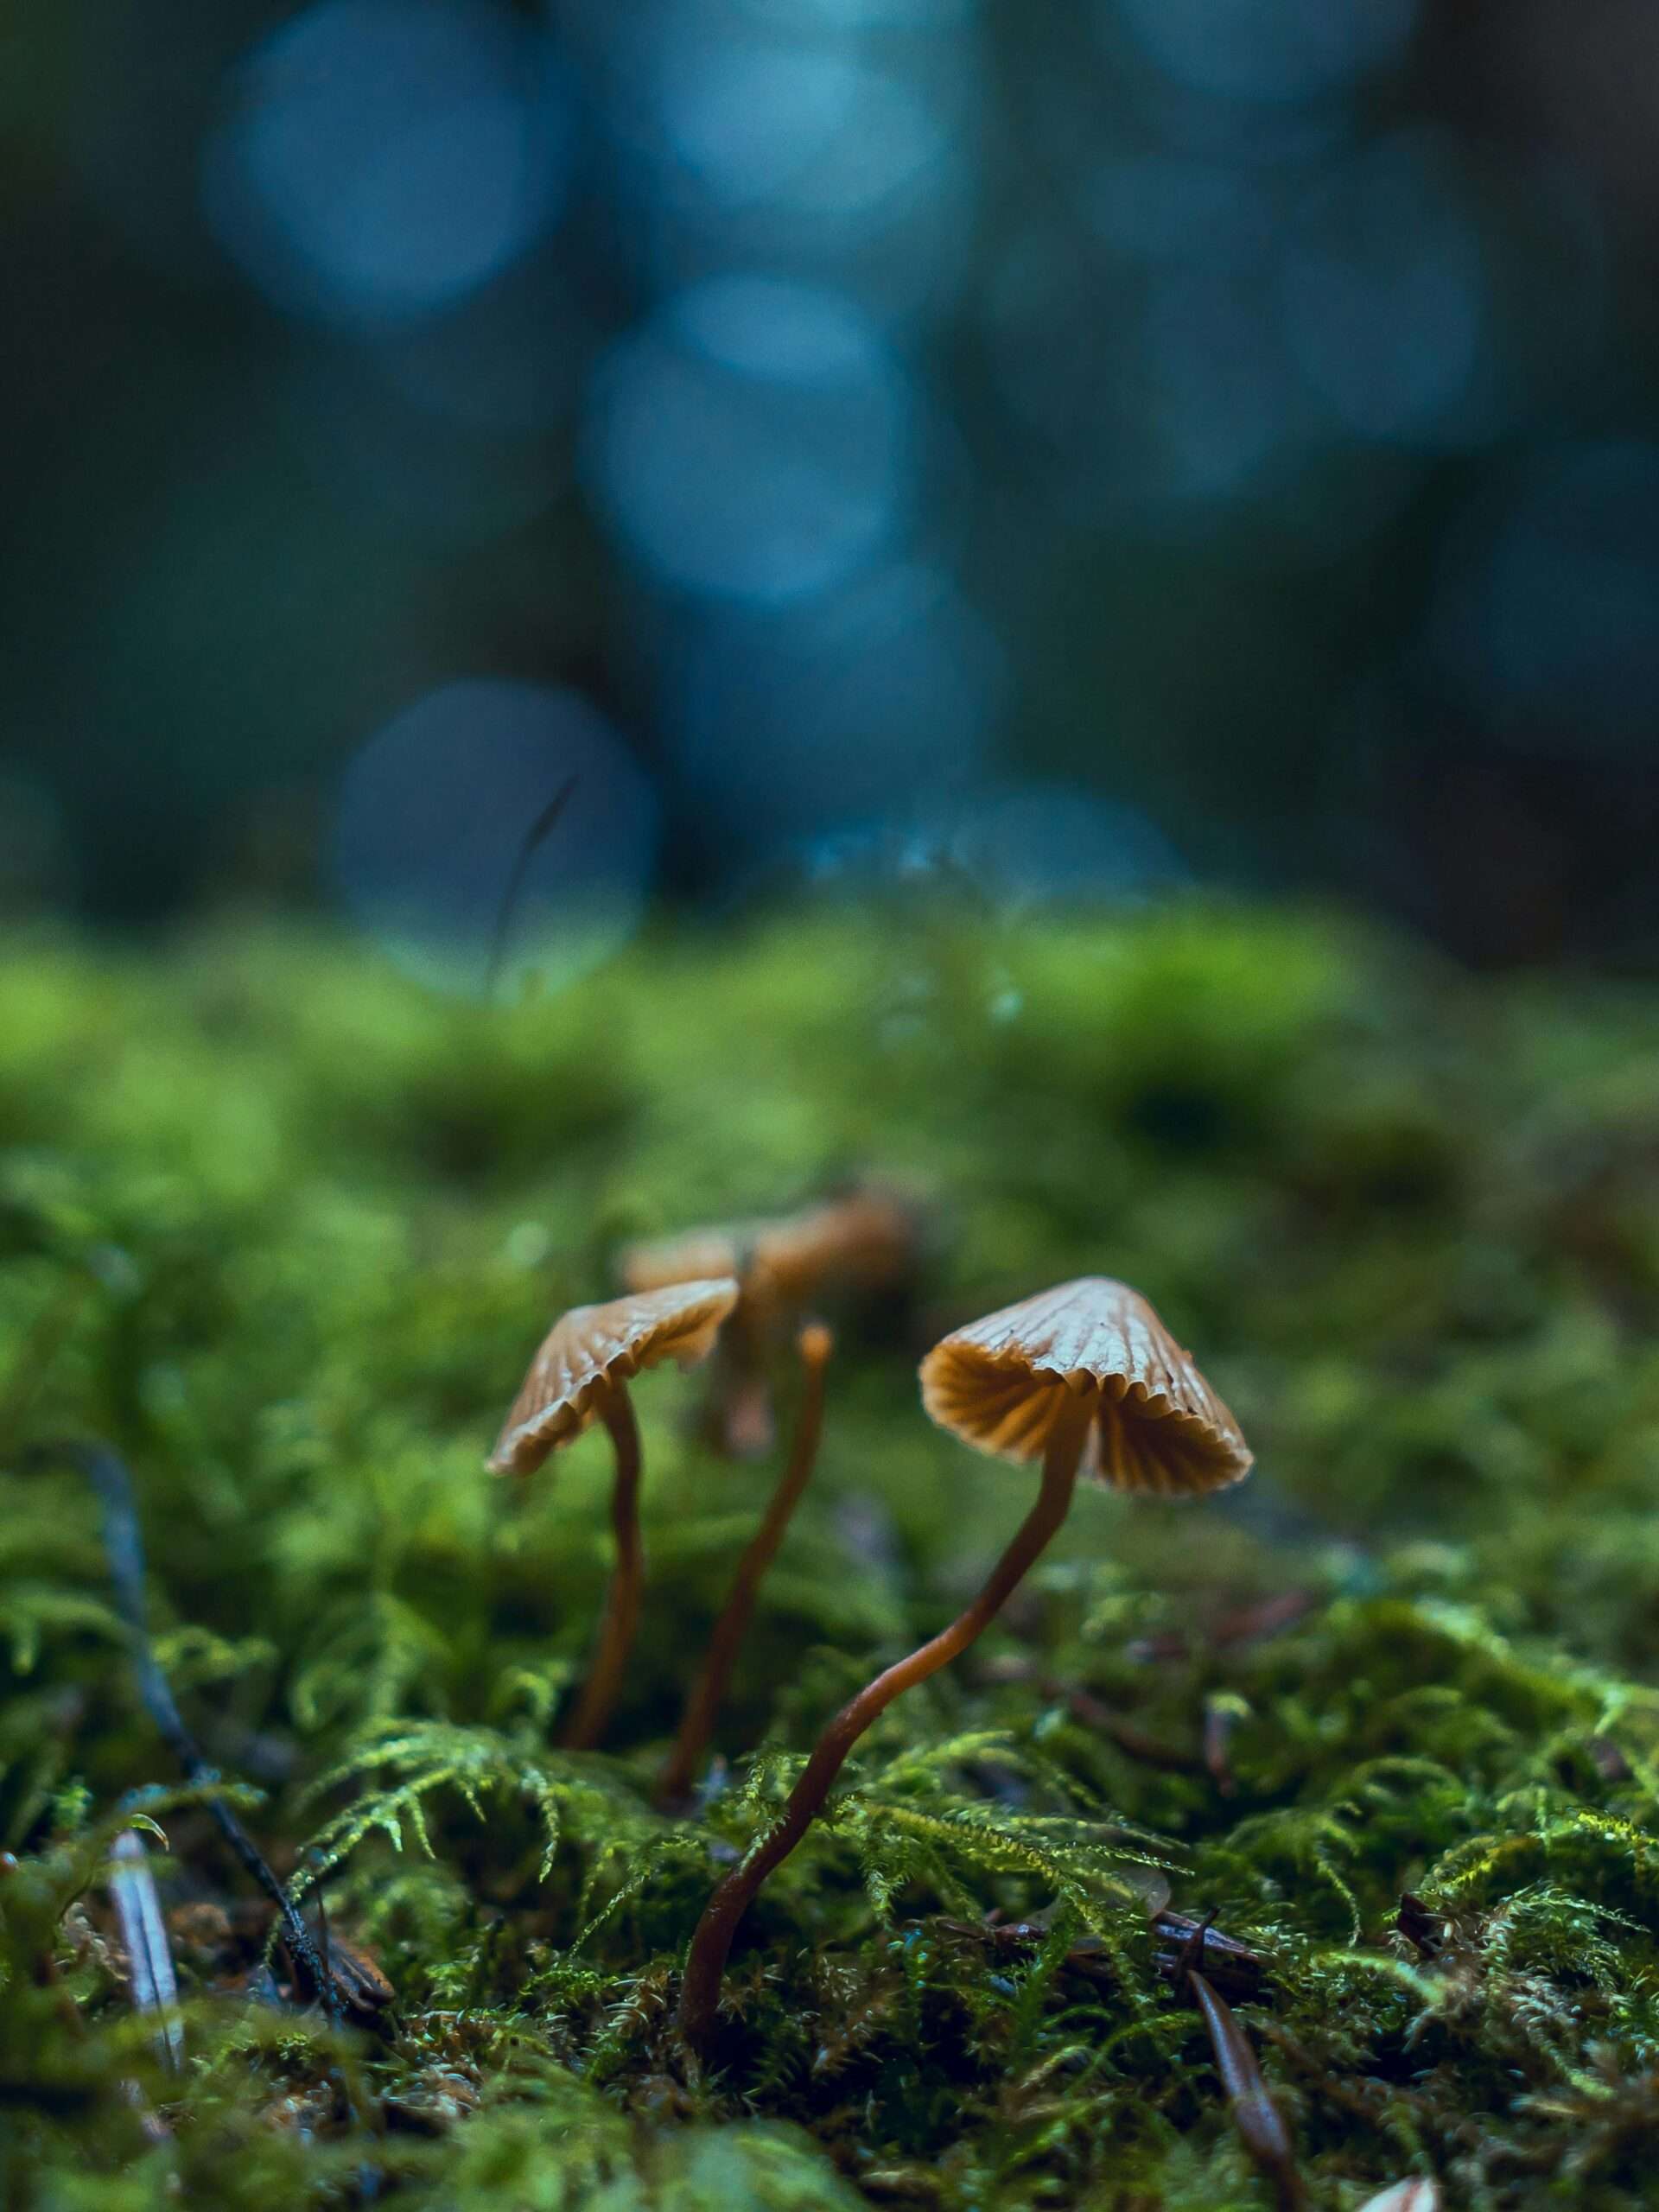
(1154, 1426)
(863, 1240)
(815, 1345)
(1084, 1377)
(579, 1375)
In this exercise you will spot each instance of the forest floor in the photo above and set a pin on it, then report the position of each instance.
(283, 1233)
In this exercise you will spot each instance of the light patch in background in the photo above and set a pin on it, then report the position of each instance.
(831, 152)
(806, 161)
(1174, 208)
(1032, 844)
(1546, 621)
(1015, 845)
(1384, 294)
(753, 441)
(433, 815)
(1219, 402)
(863, 15)
(1159, 392)
(1270, 50)
(748, 122)
(742, 119)
(873, 697)
(378, 159)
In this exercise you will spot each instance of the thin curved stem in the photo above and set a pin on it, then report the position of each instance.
(705, 1962)
(697, 1722)
(599, 1694)
(124, 1552)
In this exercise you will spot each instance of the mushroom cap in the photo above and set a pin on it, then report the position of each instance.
(592, 1347)
(695, 1255)
(1157, 1425)
(864, 1239)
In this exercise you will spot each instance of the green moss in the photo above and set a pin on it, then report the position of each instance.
(284, 1232)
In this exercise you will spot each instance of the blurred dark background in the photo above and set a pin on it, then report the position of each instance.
(1068, 446)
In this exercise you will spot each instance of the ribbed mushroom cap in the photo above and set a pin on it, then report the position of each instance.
(593, 1347)
(864, 1240)
(1157, 1427)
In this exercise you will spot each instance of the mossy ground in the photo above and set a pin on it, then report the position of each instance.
(284, 1232)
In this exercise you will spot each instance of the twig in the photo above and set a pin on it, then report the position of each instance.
(123, 1550)
(149, 1957)
(1260, 2125)
(539, 829)
(1234, 1965)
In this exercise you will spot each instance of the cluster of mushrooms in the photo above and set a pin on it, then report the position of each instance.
(1083, 1378)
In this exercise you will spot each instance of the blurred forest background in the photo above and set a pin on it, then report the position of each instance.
(1066, 448)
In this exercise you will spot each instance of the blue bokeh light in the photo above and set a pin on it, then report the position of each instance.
(855, 15)
(746, 122)
(1543, 624)
(1384, 294)
(1219, 402)
(866, 700)
(1159, 392)
(741, 119)
(379, 159)
(1160, 207)
(1035, 843)
(1270, 50)
(753, 441)
(739, 147)
(1013, 845)
(433, 817)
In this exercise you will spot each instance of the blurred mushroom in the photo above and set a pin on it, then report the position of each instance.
(864, 1240)
(580, 1374)
(1085, 1378)
(815, 1345)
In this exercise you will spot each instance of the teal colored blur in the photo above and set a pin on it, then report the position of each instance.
(1076, 452)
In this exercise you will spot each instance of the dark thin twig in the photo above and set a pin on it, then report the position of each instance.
(539, 829)
(1260, 2123)
(322, 1933)
(123, 1548)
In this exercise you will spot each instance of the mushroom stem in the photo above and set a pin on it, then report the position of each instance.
(697, 1722)
(736, 1417)
(711, 1944)
(599, 1694)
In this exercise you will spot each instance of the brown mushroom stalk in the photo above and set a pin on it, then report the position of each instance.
(1084, 1377)
(815, 1345)
(579, 1376)
(620, 1622)
(705, 1964)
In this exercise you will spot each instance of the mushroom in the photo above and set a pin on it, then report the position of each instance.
(815, 1344)
(579, 1375)
(865, 1239)
(1088, 1379)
